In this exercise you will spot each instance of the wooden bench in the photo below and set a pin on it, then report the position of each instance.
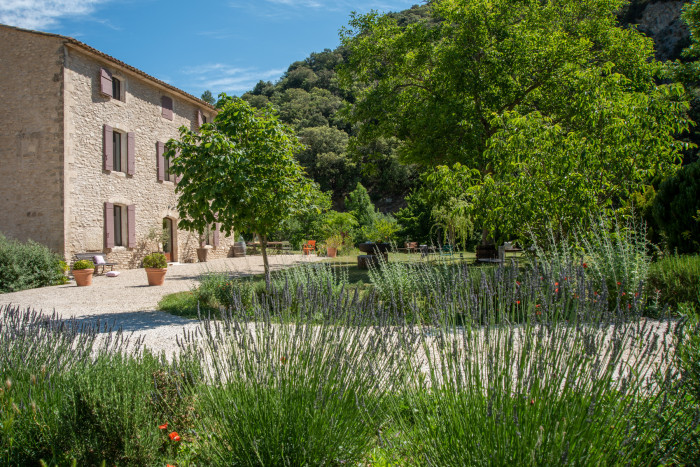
(91, 257)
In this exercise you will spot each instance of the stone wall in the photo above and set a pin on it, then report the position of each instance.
(88, 186)
(31, 137)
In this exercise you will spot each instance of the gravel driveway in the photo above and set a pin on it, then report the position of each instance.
(129, 303)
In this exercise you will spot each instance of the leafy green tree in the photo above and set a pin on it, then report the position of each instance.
(239, 171)
(359, 204)
(208, 97)
(555, 107)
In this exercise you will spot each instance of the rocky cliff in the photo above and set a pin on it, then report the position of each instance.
(660, 20)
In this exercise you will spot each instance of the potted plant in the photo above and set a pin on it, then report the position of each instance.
(82, 271)
(156, 267)
(332, 244)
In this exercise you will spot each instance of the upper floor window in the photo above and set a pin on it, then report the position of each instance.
(116, 88)
(167, 107)
(119, 151)
(110, 85)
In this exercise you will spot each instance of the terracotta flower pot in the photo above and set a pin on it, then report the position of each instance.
(332, 252)
(83, 277)
(202, 254)
(156, 276)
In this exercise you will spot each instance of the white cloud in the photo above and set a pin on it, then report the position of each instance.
(40, 14)
(277, 8)
(218, 77)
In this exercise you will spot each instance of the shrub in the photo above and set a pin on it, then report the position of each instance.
(675, 280)
(155, 260)
(221, 290)
(615, 255)
(677, 209)
(301, 395)
(83, 264)
(28, 265)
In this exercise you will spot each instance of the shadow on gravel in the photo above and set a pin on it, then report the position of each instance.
(135, 320)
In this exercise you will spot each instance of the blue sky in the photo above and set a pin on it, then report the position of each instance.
(218, 45)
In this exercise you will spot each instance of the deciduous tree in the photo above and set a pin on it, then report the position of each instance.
(239, 171)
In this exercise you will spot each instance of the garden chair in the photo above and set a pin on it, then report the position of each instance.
(447, 250)
(309, 246)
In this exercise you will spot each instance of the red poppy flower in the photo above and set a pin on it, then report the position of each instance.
(636, 294)
(537, 306)
(283, 359)
(556, 290)
(174, 436)
(619, 283)
(556, 283)
(163, 426)
(532, 401)
(624, 293)
(518, 302)
(585, 265)
(566, 278)
(169, 465)
(517, 282)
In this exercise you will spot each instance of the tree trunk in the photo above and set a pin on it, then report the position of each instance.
(263, 250)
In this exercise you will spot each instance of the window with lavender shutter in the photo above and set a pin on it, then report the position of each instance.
(131, 226)
(109, 225)
(167, 104)
(200, 119)
(130, 153)
(105, 82)
(108, 148)
(160, 162)
(217, 228)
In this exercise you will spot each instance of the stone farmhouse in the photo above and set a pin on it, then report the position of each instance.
(81, 152)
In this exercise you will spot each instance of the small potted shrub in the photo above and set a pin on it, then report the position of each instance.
(156, 267)
(332, 244)
(82, 271)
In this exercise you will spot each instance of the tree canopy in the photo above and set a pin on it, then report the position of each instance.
(239, 171)
(553, 104)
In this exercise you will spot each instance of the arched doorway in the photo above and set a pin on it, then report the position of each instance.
(169, 239)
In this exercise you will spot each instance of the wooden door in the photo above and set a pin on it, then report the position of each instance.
(168, 240)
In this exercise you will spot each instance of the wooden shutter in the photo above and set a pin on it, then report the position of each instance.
(177, 177)
(108, 149)
(105, 82)
(215, 241)
(200, 119)
(109, 225)
(130, 153)
(167, 104)
(131, 225)
(160, 163)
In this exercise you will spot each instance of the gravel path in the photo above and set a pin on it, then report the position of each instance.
(129, 303)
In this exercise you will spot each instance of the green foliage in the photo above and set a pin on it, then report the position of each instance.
(554, 105)
(302, 395)
(239, 171)
(614, 254)
(359, 204)
(309, 99)
(383, 229)
(675, 280)
(155, 260)
(208, 97)
(28, 265)
(220, 290)
(65, 397)
(677, 209)
(83, 264)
